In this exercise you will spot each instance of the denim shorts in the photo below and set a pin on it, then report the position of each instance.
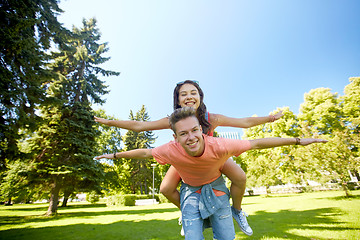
(221, 220)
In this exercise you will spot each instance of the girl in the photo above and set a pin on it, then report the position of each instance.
(188, 93)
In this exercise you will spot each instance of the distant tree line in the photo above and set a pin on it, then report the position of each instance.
(323, 114)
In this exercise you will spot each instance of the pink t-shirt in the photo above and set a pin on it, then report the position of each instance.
(197, 171)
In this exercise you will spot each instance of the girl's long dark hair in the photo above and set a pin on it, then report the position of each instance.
(201, 111)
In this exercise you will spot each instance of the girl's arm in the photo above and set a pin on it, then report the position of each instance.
(278, 142)
(224, 121)
(132, 154)
(137, 126)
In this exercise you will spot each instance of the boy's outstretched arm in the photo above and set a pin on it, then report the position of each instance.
(278, 142)
(134, 154)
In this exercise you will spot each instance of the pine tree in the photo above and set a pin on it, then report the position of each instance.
(27, 29)
(66, 144)
(139, 171)
(108, 140)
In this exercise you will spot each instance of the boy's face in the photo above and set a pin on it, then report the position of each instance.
(189, 135)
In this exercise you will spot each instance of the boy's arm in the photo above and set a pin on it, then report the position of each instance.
(278, 142)
(133, 154)
(224, 121)
(137, 126)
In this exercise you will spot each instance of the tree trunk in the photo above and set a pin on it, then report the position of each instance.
(146, 188)
(9, 202)
(267, 190)
(345, 188)
(64, 201)
(54, 200)
(356, 174)
(66, 198)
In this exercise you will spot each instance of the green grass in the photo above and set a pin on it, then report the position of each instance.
(319, 215)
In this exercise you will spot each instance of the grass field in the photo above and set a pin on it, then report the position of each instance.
(319, 215)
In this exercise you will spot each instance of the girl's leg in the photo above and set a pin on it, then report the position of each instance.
(238, 181)
(237, 190)
(169, 185)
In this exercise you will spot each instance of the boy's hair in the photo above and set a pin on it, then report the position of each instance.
(180, 114)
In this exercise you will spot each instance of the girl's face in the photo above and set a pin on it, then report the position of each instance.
(189, 96)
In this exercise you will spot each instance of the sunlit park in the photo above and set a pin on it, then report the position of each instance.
(317, 215)
(86, 84)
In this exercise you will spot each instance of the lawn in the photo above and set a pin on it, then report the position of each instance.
(319, 215)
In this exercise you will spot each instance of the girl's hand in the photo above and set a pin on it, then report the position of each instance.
(278, 115)
(100, 120)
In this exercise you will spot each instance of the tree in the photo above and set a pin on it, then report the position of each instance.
(108, 140)
(329, 116)
(15, 183)
(351, 106)
(65, 146)
(137, 172)
(272, 166)
(27, 29)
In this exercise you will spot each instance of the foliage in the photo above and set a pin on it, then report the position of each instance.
(136, 174)
(271, 166)
(27, 30)
(14, 183)
(332, 121)
(65, 146)
(92, 197)
(129, 199)
(324, 115)
(108, 140)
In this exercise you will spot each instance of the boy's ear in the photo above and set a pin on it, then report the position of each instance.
(175, 138)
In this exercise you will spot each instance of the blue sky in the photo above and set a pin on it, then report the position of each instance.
(250, 57)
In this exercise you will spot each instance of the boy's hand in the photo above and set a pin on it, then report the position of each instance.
(307, 141)
(108, 156)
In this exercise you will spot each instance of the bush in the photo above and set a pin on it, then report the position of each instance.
(129, 199)
(92, 197)
(353, 185)
(162, 198)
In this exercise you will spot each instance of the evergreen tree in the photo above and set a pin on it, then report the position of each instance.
(108, 140)
(138, 172)
(66, 144)
(27, 29)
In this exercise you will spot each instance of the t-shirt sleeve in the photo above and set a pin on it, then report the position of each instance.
(161, 154)
(237, 147)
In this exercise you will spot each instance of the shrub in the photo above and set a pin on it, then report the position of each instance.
(129, 199)
(92, 197)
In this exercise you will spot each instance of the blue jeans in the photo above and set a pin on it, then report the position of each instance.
(221, 220)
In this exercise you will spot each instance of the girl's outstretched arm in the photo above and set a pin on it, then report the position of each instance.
(137, 126)
(224, 121)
